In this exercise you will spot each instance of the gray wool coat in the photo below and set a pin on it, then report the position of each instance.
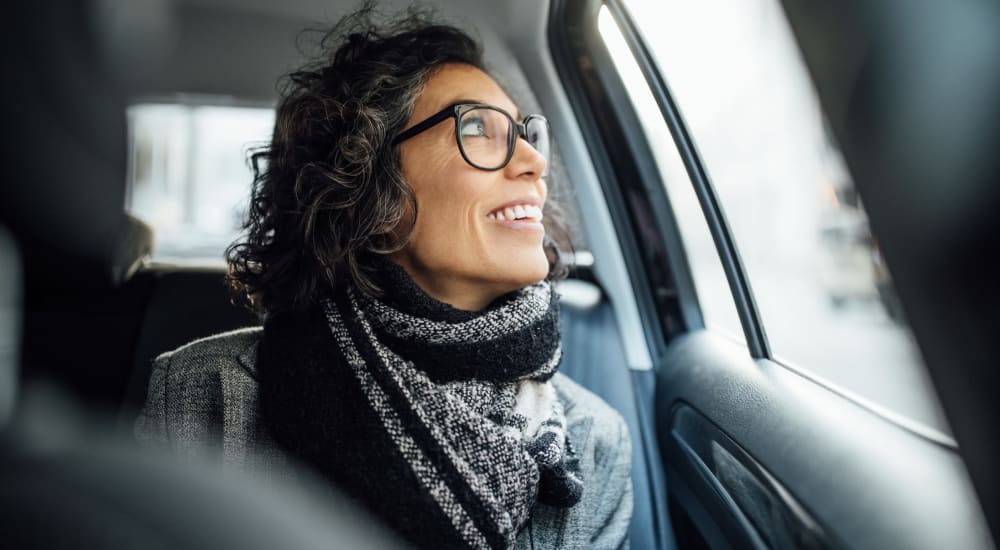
(202, 404)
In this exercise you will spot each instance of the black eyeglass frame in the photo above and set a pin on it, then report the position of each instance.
(456, 111)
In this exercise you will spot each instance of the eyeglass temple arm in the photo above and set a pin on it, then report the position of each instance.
(441, 115)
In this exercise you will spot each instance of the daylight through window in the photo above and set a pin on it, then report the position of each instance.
(190, 178)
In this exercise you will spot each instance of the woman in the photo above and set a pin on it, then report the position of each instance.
(410, 342)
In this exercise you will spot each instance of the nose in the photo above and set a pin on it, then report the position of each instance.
(526, 162)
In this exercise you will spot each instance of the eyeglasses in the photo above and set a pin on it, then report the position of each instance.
(486, 135)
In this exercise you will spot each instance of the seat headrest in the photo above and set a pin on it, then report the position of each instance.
(64, 136)
(132, 247)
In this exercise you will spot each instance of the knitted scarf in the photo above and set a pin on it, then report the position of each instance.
(441, 421)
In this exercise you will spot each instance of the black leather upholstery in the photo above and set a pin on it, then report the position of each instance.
(185, 304)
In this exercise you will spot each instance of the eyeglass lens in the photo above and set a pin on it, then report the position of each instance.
(487, 135)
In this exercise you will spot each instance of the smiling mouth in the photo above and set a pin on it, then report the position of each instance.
(525, 212)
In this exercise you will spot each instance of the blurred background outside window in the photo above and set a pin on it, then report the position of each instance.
(714, 297)
(190, 177)
(823, 291)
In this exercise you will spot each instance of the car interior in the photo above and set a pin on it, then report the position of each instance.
(732, 446)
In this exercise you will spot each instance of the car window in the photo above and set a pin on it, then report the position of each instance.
(824, 294)
(714, 297)
(189, 177)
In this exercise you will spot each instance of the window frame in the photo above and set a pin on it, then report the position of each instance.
(725, 243)
(624, 161)
(628, 175)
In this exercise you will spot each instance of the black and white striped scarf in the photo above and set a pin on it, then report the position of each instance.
(469, 425)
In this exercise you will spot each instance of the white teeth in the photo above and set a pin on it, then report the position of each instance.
(517, 212)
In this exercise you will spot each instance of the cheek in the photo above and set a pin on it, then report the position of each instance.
(447, 205)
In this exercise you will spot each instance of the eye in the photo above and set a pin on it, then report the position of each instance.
(473, 126)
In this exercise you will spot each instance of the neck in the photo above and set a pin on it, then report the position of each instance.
(457, 292)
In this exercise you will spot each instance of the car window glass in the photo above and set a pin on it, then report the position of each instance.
(826, 299)
(714, 297)
(189, 175)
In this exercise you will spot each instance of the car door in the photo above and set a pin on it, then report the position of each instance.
(793, 406)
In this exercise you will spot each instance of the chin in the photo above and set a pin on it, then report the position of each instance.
(519, 274)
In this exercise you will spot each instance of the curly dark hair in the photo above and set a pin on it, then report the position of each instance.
(328, 191)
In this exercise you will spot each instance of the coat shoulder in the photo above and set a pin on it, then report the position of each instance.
(213, 352)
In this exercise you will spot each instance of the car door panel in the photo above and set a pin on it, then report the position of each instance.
(829, 472)
(734, 486)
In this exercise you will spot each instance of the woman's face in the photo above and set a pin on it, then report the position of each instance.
(459, 252)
